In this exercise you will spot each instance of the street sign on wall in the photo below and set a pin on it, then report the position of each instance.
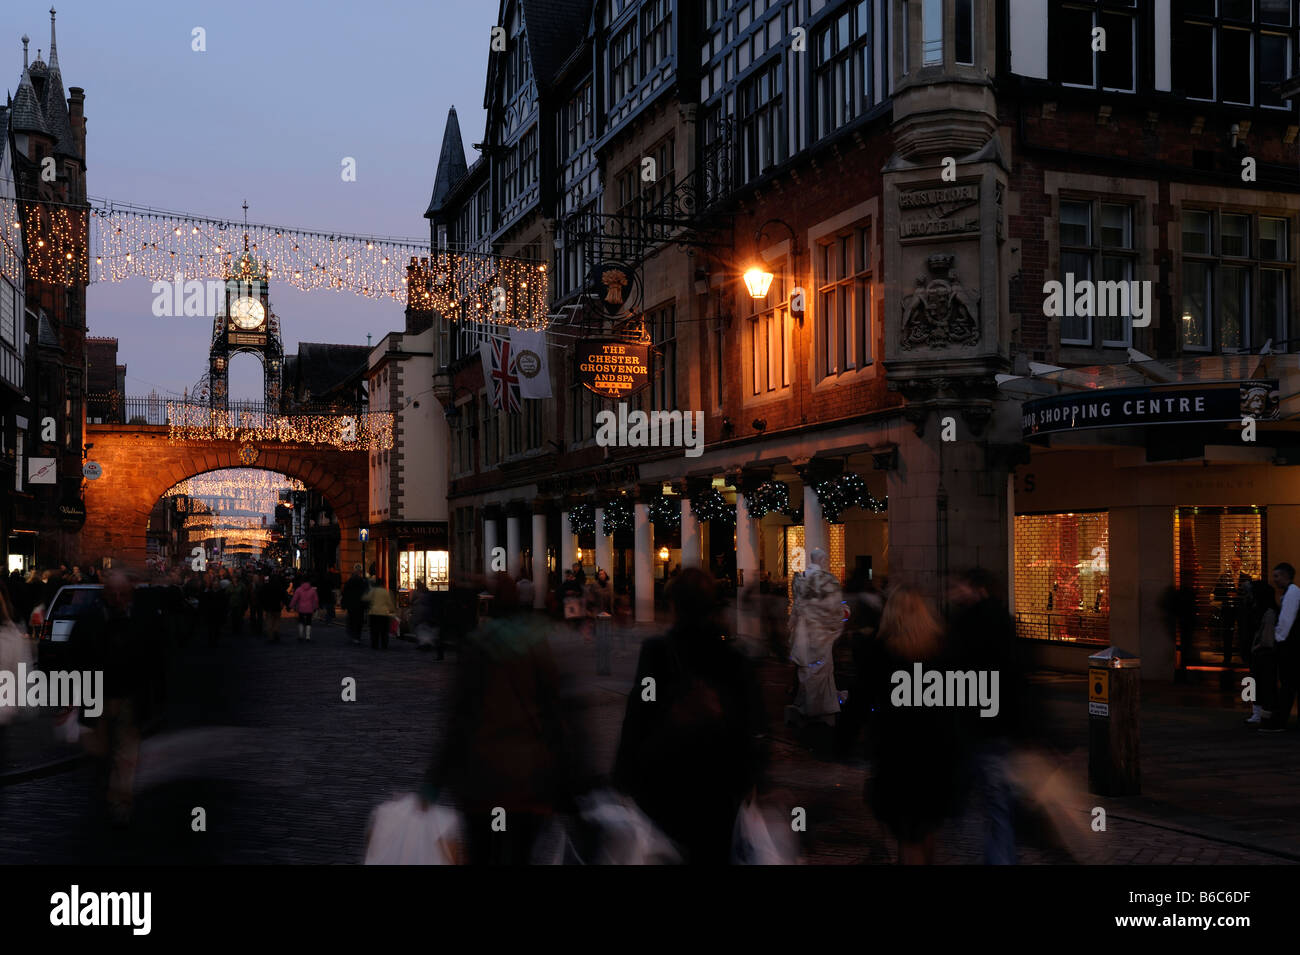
(1218, 402)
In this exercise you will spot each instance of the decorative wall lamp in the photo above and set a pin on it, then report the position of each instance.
(758, 280)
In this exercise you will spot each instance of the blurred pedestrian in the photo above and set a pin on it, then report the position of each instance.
(524, 586)
(916, 758)
(424, 618)
(238, 595)
(1263, 655)
(1286, 648)
(983, 638)
(383, 609)
(329, 592)
(690, 753)
(111, 639)
(304, 602)
(507, 748)
(272, 599)
(354, 592)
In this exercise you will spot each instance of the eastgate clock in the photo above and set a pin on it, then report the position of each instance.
(247, 313)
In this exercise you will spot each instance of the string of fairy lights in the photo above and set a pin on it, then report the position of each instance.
(370, 431)
(108, 241)
(235, 483)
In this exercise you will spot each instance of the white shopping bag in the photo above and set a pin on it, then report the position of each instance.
(762, 838)
(15, 652)
(628, 837)
(404, 833)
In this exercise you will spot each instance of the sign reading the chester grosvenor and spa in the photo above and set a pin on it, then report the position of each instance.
(1217, 402)
(612, 368)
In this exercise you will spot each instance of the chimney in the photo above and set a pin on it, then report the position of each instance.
(77, 117)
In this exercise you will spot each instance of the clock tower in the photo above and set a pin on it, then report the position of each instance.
(246, 324)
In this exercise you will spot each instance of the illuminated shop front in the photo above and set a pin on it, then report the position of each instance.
(1145, 532)
(410, 551)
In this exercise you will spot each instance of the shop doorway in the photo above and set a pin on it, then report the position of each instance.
(1218, 552)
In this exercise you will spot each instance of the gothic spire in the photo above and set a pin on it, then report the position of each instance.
(54, 46)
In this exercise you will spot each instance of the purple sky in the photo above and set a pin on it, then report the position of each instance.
(285, 90)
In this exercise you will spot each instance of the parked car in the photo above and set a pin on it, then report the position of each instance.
(68, 605)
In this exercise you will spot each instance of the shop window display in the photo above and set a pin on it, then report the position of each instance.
(1218, 553)
(1062, 584)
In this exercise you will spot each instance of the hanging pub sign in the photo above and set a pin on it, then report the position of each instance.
(613, 368)
(614, 284)
(72, 513)
(1220, 402)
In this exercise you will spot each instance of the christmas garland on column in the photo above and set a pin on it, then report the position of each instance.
(582, 519)
(665, 511)
(769, 497)
(712, 506)
(848, 490)
(618, 517)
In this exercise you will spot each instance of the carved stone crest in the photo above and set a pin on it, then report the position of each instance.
(941, 311)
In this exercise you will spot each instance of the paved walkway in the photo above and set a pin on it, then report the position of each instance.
(258, 735)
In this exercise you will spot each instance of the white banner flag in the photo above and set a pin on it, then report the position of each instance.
(528, 358)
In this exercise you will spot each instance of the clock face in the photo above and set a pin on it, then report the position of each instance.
(247, 312)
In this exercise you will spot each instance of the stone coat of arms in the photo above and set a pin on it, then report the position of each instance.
(941, 311)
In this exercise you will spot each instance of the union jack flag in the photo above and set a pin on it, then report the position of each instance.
(500, 374)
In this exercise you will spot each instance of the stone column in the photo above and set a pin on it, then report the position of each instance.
(512, 545)
(604, 546)
(691, 540)
(568, 544)
(814, 528)
(489, 543)
(643, 563)
(747, 532)
(541, 582)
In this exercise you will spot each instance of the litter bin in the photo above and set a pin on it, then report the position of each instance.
(1114, 723)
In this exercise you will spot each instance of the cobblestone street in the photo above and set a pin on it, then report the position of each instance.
(257, 735)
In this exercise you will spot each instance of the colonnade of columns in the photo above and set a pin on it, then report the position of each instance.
(748, 545)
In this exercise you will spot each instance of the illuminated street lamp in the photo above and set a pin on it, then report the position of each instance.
(758, 282)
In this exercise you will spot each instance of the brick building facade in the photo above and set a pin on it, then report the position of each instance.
(911, 173)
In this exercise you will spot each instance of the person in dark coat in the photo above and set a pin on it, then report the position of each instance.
(507, 744)
(916, 754)
(690, 756)
(273, 597)
(983, 638)
(354, 592)
(113, 639)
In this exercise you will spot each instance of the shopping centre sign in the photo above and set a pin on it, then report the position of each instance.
(1207, 403)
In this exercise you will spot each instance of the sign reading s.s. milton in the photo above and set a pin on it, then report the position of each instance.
(612, 368)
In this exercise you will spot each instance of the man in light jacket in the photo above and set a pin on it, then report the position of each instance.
(1287, 649)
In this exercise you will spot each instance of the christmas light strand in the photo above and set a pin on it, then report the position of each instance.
(371, 431)
(104, 241)
(665, 511)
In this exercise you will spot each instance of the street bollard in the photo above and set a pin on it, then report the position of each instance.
(604, 642)
(1114, 723)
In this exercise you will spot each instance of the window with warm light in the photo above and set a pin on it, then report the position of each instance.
(1062, 577)
(844, 292)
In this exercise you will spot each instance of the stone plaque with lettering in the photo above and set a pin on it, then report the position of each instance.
(940, 210)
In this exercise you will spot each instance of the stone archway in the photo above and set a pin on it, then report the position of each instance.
(140, 463)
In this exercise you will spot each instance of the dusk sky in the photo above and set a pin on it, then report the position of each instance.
(284, 92)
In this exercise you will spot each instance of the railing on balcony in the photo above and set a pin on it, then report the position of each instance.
(154, 410)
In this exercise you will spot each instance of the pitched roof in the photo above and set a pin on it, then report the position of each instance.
(45, 335)
(451, 164)
(554, 28)
(56, 114)
(26, 113)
